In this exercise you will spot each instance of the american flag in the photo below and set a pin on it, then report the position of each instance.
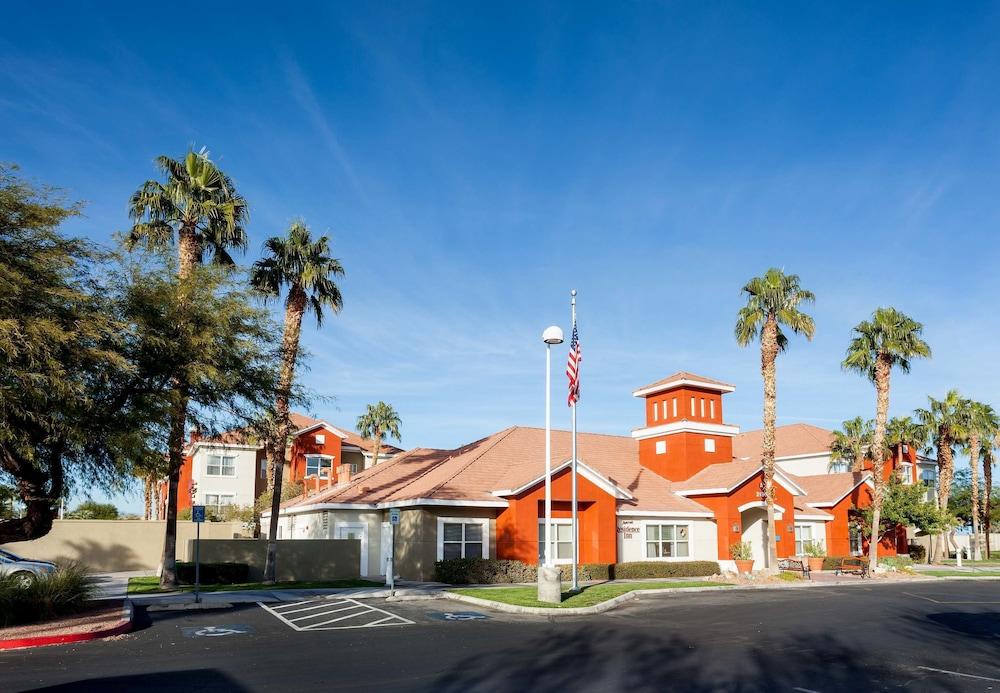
(573, 368)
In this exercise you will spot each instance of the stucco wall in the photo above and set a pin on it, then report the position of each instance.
(813, 465)
(113, 545)
(296, 560)
(416, 538)
(702, 535)
(242, 486)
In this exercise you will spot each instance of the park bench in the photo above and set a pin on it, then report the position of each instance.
(853, 565)
(795, 565)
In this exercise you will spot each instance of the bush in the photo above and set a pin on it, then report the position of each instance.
(833, 562)
(918, 552)
(48, 596)
(657, 569)
(214, 573)
(897, 562)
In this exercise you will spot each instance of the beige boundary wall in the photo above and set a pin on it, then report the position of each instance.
(298, 559)
(115, 545)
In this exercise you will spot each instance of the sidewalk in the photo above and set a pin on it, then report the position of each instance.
(404, 590)
(115, 585)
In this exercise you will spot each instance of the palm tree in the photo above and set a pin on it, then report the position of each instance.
(773, 302)
(199, 204)
(853, 444)
(983, 426)
(378, 421)
(902, 430)
(946, 421)
(890, 339)
(306, 268)
(988, 483)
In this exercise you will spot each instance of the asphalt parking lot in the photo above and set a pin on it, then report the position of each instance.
(925, 636)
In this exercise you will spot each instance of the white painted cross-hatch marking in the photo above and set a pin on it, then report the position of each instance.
(345, 613)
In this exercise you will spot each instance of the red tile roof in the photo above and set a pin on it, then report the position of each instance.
(789, 440)
(829, 488)
(507, 459)
(684, 375)
(301, 421)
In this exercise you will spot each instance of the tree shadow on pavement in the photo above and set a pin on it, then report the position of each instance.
(184, 679)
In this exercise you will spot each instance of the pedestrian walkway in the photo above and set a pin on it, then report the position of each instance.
(115, 585)
(409, 590)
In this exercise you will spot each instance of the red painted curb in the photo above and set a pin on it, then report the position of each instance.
(123, 626)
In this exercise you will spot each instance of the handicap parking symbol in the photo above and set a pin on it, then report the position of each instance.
(458, 616)
(216, 631)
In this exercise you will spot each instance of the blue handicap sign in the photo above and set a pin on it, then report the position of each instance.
(197, 513)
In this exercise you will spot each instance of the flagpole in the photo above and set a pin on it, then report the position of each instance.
(548, 455)
(576, 540)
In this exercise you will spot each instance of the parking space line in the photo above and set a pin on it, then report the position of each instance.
(315, 626)
(306, 608)
(958, 673)
(324, 613)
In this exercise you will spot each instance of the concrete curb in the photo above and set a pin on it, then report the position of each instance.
(123, 626)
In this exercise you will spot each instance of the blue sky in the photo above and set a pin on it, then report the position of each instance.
(474, 164)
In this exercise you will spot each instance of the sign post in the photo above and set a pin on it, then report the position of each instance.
(197, 516)
(391, 576)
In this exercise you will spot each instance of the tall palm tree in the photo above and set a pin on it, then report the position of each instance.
(198, 204)
(306, 268)
(773, 303)
(903, 430)
(889, 340)
(852, 445)
(946, 421)
(378, 421)
(983, 426)
(988, 483)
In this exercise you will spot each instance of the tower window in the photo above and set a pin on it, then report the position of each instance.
(656, 411)
(703, 407)
(711, 408)
(675, 407)
(661, 447)
(692, 406)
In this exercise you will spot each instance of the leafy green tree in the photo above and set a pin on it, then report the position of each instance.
(852, 444)
(774, 302)
(75, 397)
(947, 424)
(988, 501)
(960, 500)
(92, 510)
(198, 204)
(903, 430)
(903, 506)
(305, 267)
(983, 425)
(378, 421)
(889, 340)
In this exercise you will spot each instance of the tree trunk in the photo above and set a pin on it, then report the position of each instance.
(188, 256)
(768, 356)
(377, 446)
(945, 471)
(39, 490)
(156, 498)
(883, 371)
(289, 354)
(147, 493)
(988, 498)
(974, 447)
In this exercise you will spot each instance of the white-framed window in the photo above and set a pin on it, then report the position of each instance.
(667, 540)
(319, 465)
(656, 411)
(711, 409)
(562, 539)
(263, 468)
(905, 473)
(661, 447)
(803, 534)
(221, 465)
(675, 407)
(320, 438)
(929, 477)
(463, 537)
(906, 448)
(217, 501)
(857, 544)
(692, 406)
(703, 407)
(709, 444)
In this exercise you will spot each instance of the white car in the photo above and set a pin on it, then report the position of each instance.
(23, 569)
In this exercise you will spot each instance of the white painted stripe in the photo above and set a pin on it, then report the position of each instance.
(314, 626)
(958, 673)
(281, 618)
(325, 613)
(321, 605)
(805, 690)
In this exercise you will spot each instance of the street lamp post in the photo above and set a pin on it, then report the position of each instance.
(551, 335)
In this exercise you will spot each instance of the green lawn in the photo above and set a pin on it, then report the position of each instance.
(960, 573)
(151, 585)
(588, 596)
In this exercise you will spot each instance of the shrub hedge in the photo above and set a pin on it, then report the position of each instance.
(479, 571)
(47, 596)
(918, 552)
(214, 573)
